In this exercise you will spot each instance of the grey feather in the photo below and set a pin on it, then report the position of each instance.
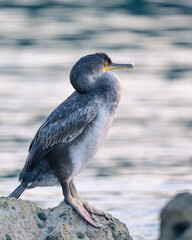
(66, 129)
(60, 128)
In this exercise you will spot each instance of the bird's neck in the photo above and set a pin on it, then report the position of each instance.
(109, 90)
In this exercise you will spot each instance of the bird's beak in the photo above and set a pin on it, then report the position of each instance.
(117, 66)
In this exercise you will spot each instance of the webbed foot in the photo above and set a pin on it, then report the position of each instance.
(94, 210)
(77, 205)
(88, 206)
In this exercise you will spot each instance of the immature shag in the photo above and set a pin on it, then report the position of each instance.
(71, 135)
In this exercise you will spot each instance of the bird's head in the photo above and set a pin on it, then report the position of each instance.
(88, 69)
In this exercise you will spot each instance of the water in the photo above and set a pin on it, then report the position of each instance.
(147, 155)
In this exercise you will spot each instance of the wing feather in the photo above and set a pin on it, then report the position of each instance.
(63, 129)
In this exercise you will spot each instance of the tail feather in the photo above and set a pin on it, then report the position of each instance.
(18, 191)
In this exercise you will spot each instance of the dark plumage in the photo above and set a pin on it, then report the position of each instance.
(71, 135)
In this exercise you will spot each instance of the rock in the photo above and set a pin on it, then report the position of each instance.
(23, 220)
(176, 218)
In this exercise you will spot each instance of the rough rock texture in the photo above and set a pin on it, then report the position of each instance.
(23, 220)
(176, 218)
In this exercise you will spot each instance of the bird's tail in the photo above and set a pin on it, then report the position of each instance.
(19, 190)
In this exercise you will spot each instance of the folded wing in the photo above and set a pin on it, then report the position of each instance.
(59, 129)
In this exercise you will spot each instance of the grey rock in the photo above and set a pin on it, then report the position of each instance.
(176, 218)
(23, 220)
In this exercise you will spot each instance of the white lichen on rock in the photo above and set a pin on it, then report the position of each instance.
(23, 220)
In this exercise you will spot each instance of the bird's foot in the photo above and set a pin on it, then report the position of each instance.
(78, 205)
(94, 210)
(81, 206)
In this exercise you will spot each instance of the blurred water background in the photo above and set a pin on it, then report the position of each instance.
(147, 155)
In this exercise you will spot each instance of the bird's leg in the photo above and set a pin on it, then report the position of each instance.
(89, 208)
(73, 189)
(77, 205)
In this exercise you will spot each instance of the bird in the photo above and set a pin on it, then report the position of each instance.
(69, 138)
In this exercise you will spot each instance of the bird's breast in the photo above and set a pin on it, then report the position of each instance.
(91, 138)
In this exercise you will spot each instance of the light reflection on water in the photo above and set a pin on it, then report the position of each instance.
(147, 155)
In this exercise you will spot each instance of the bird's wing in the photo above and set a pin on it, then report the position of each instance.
(63, 129)
(66, 129)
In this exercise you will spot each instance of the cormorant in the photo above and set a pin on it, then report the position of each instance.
(71, 135)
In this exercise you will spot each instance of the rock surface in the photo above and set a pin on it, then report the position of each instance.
(23, 220)
(176, 218)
